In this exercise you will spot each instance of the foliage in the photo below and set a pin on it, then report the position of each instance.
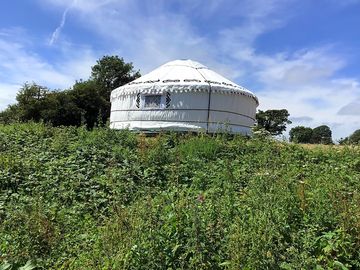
(71, 198)
(7, 266)
(355, 137)
(111, 72)
(63, 109)
(31, 100)
(274, 121)
(86, 95)
(10, 115)
(260, 133)
(318, 135)
(87, 102)
(301, 134)
(352, 139)
(321, 134)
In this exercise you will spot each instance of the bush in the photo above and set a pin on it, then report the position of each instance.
(104, 199)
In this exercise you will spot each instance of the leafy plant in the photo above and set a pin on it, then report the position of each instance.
(71, 198)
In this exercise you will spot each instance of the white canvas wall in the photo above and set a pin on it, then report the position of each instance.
(187, 111)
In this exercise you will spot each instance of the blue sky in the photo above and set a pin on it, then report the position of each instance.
(301, 55)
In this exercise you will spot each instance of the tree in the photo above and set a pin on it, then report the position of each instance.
(86, 95)
(62, 109)
(354, 138)
(273, 121)
(87, 100)
(111, 72)
(31, 101)
(321, 134)
(10, 114)
(301, 134)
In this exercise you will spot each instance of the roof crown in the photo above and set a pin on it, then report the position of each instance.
(183, 74)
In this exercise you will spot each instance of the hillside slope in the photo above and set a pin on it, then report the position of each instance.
(102, 199)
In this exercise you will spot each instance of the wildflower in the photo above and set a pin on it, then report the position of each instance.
(201, 198)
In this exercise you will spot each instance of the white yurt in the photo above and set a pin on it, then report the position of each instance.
(183, 95)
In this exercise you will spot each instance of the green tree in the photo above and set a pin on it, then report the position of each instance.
(87, 100)
(62, 109)
(10, 115)
(111, 72)
(321, 134)
(301, 134)
(87, 97)
(31, 101)
(354, 138)
(274, 121)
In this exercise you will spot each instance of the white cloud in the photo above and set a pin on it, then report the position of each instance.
(7, 94)
(56, 33)
(320, 101)
(20, 64)
(150, 34)
(306, 82)
(353, 108)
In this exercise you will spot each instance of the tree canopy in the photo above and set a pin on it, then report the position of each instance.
(31, 100)
(110, 72)
(321, 134)
(274, 121)
(354, 138)
(301, 134)
(86, 102)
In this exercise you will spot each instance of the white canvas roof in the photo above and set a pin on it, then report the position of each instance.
(181, 76)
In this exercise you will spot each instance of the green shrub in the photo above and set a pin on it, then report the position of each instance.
(71, 198)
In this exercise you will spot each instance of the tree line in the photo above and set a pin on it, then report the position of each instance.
(354, 138)
(86, 102)
(274, 122)
(320, 135)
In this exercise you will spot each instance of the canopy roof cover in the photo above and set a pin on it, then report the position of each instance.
(182, 76)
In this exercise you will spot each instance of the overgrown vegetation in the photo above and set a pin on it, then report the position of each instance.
(273, 121)
(103, 199)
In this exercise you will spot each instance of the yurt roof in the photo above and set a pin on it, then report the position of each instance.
(182, 76)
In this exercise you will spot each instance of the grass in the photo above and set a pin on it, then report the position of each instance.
(102, 199)
(327, 146)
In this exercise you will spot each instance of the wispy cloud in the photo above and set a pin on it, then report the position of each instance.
(19, 63)
(150, 34)
(55, 35)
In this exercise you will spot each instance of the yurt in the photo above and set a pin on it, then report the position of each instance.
(183, 95)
